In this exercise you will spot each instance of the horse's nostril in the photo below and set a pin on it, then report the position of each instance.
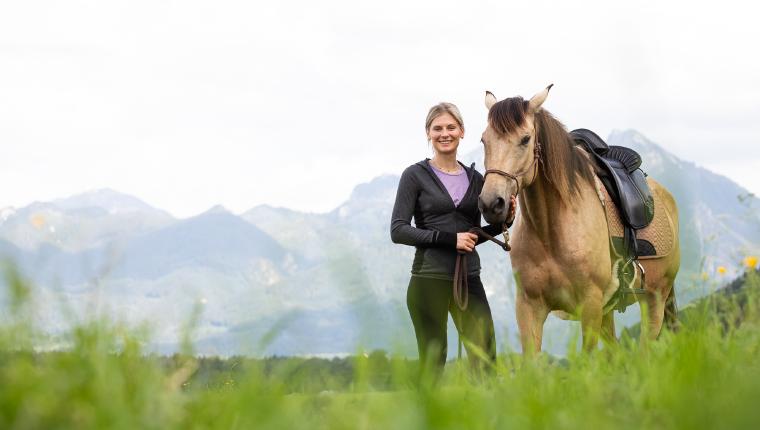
(498, 204)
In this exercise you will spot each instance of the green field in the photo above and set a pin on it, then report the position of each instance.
(707, 375)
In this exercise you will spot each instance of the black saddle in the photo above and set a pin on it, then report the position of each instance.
(619, 169)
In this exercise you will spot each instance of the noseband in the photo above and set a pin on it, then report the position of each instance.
(515, 176)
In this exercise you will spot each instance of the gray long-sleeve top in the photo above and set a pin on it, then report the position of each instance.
(422, 196)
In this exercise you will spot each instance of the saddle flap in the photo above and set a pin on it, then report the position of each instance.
(635, 198)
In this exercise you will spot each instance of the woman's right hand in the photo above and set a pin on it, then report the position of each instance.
(466, 241)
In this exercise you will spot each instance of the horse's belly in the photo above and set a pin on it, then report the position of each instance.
(562, 285)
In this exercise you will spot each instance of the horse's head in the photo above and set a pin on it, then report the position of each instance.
(512, 152)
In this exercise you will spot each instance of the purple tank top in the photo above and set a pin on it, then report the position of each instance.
(456, 183)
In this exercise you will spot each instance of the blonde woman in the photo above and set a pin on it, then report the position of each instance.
(441, 195)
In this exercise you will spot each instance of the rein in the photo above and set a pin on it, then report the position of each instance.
(461, 288)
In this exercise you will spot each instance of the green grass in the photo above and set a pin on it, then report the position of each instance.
(707, 375)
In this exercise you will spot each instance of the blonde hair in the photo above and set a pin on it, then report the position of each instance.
(440, 109)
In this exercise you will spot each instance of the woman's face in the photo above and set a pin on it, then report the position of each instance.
(444, 133)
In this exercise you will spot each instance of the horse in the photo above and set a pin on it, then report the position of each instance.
(562, 256)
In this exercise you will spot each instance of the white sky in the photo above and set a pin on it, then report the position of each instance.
(188, 104)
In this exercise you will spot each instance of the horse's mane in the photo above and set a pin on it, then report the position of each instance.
(563, 165)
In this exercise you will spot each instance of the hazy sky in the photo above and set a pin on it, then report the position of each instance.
(186, 104)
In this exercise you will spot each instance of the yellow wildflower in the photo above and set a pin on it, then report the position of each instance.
(37, 220)
(705, 276)
(750, 262)
(721, 270)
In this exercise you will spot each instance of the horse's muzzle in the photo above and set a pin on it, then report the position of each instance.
(495, 209)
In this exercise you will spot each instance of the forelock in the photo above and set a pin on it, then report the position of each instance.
(508, 115)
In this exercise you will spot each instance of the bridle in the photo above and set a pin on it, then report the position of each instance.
(514, 176)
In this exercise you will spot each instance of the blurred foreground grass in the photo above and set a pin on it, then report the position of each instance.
(705, 376)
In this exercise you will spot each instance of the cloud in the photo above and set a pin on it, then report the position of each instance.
(292, 103)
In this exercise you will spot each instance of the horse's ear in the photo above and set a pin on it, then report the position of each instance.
(534, 105)
(490, 100)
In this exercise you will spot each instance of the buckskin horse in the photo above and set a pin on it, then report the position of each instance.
(563, 258)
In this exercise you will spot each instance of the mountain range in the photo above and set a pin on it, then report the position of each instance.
(278, 281)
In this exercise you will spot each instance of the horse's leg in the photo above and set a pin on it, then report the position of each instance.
(591, 318)
(653, 312)
(671, 310)
(531, 315)
(608, 328)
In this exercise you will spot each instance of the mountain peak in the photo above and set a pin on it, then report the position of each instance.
(372, 196)
(654, 156)
(632, 136)
(217, 209)
(265, 210)
(107, 199)
(371, 188)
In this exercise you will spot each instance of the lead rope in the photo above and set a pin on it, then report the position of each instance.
(460, 267)
(461, 287)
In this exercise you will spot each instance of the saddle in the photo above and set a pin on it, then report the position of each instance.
(619, 170)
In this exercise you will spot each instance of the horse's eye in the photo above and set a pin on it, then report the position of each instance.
(525, 140)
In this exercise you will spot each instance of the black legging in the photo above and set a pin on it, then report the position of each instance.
(430, 300)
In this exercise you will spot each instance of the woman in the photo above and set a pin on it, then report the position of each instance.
(442, 196)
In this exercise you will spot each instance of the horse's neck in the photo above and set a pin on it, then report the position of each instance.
(542, 209)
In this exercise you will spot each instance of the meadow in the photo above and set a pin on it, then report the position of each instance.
(705, 375)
